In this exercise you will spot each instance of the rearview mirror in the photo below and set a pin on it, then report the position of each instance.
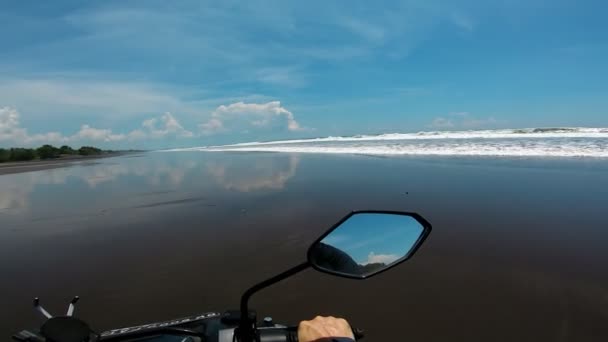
(366, 243)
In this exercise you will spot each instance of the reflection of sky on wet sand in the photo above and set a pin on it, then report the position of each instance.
(240, 175)
(530, 237)
(16, 188)
(123, 181)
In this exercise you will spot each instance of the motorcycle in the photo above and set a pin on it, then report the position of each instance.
(361, 245)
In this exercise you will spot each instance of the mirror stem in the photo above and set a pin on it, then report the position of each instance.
(246, 327)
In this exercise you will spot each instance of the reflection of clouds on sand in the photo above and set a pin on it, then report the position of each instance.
(99, 174)
(13, 196)
(16, 189)
(174, 174)
(155, 172)
(240, 175)
(373, 258)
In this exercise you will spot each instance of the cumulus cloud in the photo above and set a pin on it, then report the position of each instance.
(9, 124)
(136, 134)
(95, 134)
(373, 258)
(249, 115)
(9, 119)
(212, 125)
(462, 120)
(11, 130)
(239, 116)
(167, 124)
(154, 128)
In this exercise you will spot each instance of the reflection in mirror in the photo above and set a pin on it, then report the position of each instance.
(367, 243)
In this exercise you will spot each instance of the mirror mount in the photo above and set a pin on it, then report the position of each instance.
(246, 329)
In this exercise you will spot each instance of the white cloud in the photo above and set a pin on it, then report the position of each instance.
(9, 124)
(462, 120)
(95, 134)
(9, 119)
(386, 259)
(167, 124)
(248, 115)
(154, 128)
(136, 134)
(213, 125)
(11, 130)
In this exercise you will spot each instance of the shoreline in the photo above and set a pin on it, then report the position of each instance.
(39, 165)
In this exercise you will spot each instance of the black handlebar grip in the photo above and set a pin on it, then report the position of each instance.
(289, 334)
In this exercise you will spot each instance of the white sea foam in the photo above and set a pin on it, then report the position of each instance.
(530, 142)
(561, 132)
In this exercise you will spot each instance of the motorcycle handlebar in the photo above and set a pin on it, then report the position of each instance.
(290, 334)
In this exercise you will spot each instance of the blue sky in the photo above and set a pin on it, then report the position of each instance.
(371, 238)
(154, 74)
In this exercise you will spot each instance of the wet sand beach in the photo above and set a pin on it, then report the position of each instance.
(518, 250)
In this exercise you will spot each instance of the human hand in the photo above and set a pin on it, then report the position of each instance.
(323, 328)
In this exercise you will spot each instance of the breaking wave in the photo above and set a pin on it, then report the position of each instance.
(528, 142)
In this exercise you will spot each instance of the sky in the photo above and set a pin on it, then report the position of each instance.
(160, 74)
(376, 238)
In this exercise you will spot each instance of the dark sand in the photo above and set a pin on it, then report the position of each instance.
(518, 251)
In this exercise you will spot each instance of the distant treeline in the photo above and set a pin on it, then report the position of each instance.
(46, 152)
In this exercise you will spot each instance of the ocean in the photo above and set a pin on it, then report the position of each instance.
(529, 142)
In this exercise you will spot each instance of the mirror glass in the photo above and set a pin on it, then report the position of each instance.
(366, 243)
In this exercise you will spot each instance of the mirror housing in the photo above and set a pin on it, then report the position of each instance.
(366, 243)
